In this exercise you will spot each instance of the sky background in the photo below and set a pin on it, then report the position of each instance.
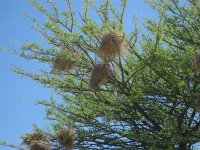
(17, 93)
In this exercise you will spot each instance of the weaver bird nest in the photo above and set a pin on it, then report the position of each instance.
(36, 141)
(66, 137)
(100, 72)
(39, 145)
(112, 44)
(62, 62)
(197, 61)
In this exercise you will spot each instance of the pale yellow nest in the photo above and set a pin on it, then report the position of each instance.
(36, 136)
(39, 145)
(112, 44)
(100, 72)
(66, 137)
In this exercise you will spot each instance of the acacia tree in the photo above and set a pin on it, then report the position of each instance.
(147, 98)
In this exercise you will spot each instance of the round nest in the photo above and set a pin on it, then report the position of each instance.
(112, 44)
(63, 61)
(36, 136)
(197, 61)
(100, 72)
(39, 145)
(66, 137)
(62, 65)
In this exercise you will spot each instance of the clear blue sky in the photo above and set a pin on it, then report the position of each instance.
(18, 94)
(17, 106)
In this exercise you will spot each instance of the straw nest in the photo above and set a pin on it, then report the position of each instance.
(197, 61)
(36, 136)
(62, 65)
(100, 72)
(36, 140)
(62, 62)
(39, 145)
(112, 44)
(66, 137)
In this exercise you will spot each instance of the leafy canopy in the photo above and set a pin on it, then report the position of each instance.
(147, 101)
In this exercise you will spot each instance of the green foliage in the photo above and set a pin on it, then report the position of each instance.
(148, 101)
(3, 143)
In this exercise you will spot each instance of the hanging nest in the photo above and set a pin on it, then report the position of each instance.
(36, 136)
(39, 145)
(36, 141)
(197, 61)
(62, 65)
(62, 62)
(66, 137)
(112, 44)
(100, 72)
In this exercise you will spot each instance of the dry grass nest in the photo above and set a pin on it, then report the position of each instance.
(112, 44)
(100, 72)
(39, 145)
(66, 137)
(197, 61)
(61, 63)
(36, 136)
(36, 141)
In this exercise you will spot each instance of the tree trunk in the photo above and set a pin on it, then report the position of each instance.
(182, 146)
